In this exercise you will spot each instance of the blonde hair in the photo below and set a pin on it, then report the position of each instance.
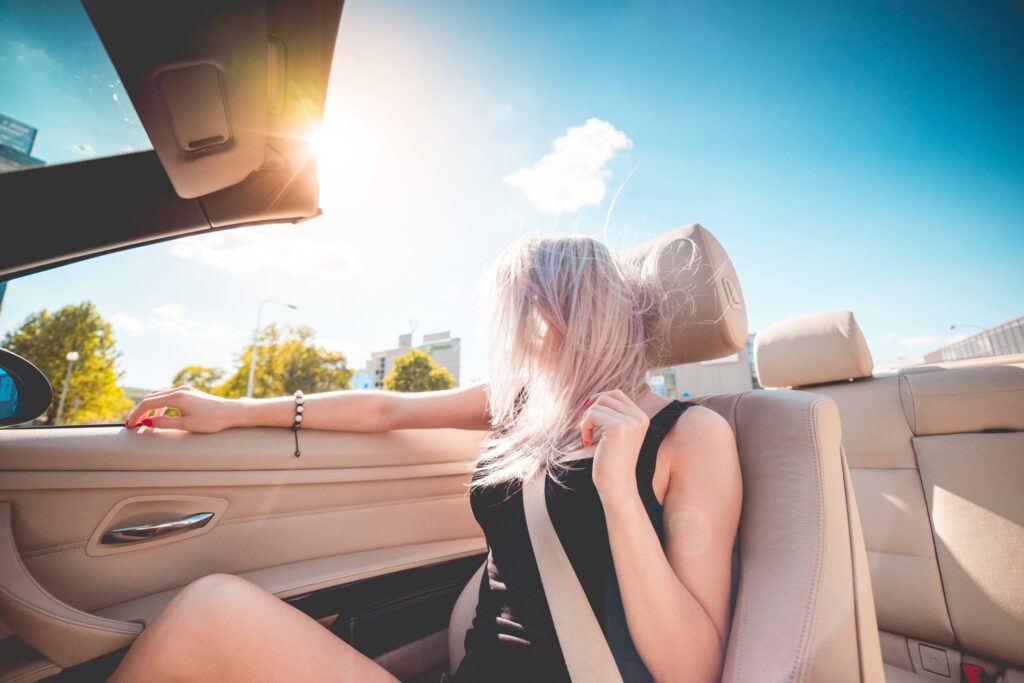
(603, 311)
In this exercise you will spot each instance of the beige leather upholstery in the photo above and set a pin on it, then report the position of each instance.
(967, 400)
(352, 507)
(64, 634)
(704, 316)
(804, 609)
(974, 484)
(894, 674)
(937, 460)
(824, 347)
(897, 530)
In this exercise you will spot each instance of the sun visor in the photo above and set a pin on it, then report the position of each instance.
(196, 73)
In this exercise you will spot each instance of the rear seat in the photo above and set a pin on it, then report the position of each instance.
(936, 454)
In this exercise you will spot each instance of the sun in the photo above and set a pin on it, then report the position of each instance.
(314, 141)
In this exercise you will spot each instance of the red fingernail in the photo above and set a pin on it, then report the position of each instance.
(147, 422)
(126, 423)
(587, 402)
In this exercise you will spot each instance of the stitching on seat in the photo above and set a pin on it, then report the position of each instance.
(744, 585)
(53, 549)
(809, 611)
(853, 565)
(30, 674)
(911, 419)
(83, 623)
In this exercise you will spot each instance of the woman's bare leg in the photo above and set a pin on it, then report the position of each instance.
(224, 628)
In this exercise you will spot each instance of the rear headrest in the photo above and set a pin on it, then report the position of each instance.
(962, 400)
(814, 349)
(705, 317)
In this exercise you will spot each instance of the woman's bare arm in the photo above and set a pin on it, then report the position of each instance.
(679, 594)
(460, 408)
(347, 410)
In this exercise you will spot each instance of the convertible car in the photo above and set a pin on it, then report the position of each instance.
(882, 531)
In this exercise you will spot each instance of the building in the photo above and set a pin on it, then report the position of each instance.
(440, 346)
(727, 375)
(362, 379)
(16, 142)
(1001, 340)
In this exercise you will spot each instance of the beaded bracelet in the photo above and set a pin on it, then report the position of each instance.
(298, 420)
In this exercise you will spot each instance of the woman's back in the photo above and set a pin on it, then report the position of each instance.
(513, 636)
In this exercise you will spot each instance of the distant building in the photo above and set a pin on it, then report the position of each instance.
(728, 375)
(440, 346)
(1001, 340)
(750, 362)
(362, 379)
(16, 141)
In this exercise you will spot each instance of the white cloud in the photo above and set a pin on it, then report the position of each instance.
(174, 319)
(573, 174)
(919, 341)
(282, 249)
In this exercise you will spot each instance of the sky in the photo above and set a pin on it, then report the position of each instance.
(849, 156)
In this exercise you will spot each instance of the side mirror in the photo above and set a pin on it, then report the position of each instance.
(25, 393)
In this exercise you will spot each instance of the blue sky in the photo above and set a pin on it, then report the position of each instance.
(862, 156)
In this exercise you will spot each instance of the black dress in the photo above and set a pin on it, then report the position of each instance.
(512, 638)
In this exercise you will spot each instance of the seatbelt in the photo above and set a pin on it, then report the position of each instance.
(584, 647)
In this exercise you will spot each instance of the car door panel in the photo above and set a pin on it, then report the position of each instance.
(353, 507)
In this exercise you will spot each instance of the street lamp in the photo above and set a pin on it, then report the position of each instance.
(70, 358)
(255, 340)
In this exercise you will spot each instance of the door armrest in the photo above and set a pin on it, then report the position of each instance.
(65, 635)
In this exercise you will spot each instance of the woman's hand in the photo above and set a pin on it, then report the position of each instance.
(196, 410)
(623, 430)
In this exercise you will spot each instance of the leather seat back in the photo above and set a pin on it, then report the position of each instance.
(803, 609)
(936, 458)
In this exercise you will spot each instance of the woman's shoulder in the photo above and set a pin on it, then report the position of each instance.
(701, 446)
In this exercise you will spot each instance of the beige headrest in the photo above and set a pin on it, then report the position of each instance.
(705, 317)
(814, 349)
(950, 401)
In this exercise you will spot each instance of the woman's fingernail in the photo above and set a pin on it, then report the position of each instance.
(147, 422)
(126, 423)
(587, 402)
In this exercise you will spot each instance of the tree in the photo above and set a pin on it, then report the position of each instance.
(204, 379)
(416, 371)
(286, 360)
(93, 393)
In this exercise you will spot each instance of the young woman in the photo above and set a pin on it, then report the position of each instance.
(644, 493)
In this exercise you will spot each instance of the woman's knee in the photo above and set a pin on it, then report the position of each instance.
(202, 614)
(215, 586)
(206, 606)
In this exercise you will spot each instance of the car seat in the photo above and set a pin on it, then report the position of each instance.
(803, 610)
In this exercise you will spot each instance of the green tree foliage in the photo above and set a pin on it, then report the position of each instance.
(416, 371)
(204, 379)
(93, 393)
(286, 360)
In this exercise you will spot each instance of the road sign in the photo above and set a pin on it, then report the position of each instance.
(17, 135)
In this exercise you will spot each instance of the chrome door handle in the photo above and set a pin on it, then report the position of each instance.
(143, 532)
